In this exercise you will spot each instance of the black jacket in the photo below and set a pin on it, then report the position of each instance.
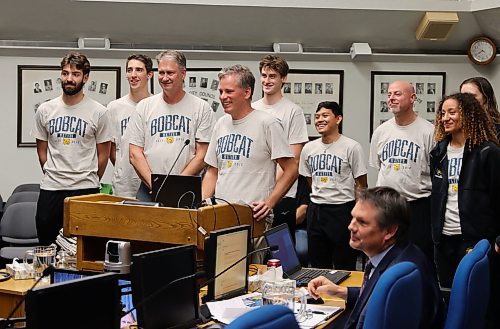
(478, 191)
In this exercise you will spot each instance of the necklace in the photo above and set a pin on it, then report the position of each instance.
(326, 147)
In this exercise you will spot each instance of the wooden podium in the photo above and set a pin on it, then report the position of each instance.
(94, 219)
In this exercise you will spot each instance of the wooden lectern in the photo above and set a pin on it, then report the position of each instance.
(94, 219)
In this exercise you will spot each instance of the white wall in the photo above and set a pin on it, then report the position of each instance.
(20, 165)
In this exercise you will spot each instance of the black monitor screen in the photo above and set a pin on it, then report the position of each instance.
(85, 303)
(222, 249)
(63, 275)
(177, 304)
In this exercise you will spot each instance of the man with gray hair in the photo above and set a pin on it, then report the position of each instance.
(245, 147)
(165, 123)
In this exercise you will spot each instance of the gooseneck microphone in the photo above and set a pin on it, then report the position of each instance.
(8, 321)
(186, 143)
(271, 248)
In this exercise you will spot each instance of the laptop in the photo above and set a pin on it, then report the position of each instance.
(176, 191)
(280, 236)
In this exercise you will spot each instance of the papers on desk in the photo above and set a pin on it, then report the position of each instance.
(226, 311)
(317, 315)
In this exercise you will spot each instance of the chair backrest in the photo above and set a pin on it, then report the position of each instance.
(396, 300)
(470, 291)
(26, 196)
(18, 224)
(266, 317)
(26, 187)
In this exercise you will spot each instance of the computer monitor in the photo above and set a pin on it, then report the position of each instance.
(177, 305)
(222, 249)
(89, 302)
(62, 275)
(59, 275)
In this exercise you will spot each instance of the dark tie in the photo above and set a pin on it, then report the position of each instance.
(366, 276)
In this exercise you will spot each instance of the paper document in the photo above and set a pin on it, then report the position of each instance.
(226, 311)
(316, 315)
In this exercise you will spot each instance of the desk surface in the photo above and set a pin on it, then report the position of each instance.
(354, 280)
(12, 291)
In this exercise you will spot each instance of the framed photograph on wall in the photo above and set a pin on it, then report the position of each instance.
(307, 88)
(201, 82)
(38, 84)
(429, 88)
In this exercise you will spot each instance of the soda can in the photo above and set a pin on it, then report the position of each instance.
(273, 263)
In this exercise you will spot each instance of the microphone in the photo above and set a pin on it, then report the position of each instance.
(271, 248)
(196, 275)
(8, 321)
(186, 143)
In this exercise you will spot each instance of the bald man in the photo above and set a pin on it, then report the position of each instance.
(400, 152)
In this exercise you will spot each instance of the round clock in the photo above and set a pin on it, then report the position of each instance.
(482, 50)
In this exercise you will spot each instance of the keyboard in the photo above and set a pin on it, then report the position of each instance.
(336, 277)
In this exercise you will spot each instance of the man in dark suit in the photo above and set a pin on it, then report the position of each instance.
(379, 226)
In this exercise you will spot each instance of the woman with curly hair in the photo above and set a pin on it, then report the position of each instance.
(482, 90)
(465, 198)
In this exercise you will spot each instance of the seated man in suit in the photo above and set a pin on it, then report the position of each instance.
(379, 227)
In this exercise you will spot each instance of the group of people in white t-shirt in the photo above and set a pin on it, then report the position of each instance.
(255, 153)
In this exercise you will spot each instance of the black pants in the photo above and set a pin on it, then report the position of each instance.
(50, 212)
(420, 226)
(284, 213)
(328, 236)
(448, 254)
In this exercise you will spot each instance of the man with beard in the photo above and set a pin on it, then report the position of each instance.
(73, 143)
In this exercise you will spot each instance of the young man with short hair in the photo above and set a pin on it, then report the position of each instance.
(334, 166)
(139, 72)
(273, 74)
(73, 140)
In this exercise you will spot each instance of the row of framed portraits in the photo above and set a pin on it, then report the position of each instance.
(307, 88)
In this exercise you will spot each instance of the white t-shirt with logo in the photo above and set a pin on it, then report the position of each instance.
(451, 216)
(163, 129)
(244, 152)
(332, 168)
(293, 121)
(125, 180)
(72, 133)
(401, 154)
